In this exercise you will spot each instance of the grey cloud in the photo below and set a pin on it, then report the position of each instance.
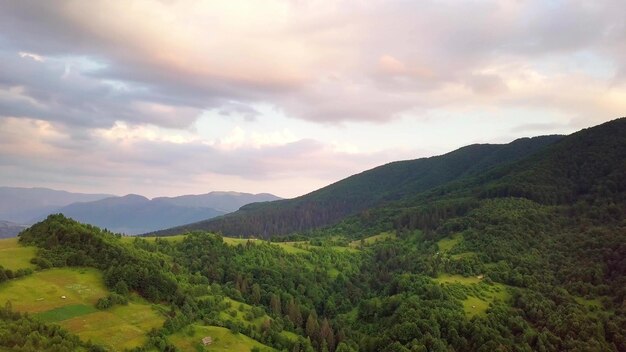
(452, 41)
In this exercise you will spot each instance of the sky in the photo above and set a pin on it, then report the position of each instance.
(163, 98)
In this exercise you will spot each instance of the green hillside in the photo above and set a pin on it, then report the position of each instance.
(522, 256)
(380, 185)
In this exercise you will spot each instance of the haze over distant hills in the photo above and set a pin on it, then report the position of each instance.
(26, 205)
(10, 229)
(133, 214)
(129, 214)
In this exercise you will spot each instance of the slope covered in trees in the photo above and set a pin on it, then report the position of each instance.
(526, 256)
(387, 183)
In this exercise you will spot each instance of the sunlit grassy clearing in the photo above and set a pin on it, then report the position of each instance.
(43, 291)
(483, 294)
(240, 310)
(448, 243)
(15, 256)
(474, 306)
(223, 340)
(373, 239)
(120, 327)
(445, 278)
(589, 302)
(293, 247)
(463, 255)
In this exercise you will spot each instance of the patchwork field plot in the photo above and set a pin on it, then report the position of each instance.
(119, 327)
(14, 256)
(67, 297)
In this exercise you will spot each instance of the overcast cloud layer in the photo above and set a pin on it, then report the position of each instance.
(172, 97)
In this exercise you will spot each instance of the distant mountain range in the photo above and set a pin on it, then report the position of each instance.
(10, 229)
(130, 214)
(27, 205)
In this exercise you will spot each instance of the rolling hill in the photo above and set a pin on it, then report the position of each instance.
(526, 255)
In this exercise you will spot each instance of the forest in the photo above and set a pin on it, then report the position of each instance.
(523, 251)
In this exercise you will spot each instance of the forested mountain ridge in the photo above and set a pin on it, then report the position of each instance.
(526, 256)
(585, 167)
(391, 182)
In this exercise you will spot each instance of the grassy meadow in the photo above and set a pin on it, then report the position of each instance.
(67, 296)
(14, 256)
(190, 339)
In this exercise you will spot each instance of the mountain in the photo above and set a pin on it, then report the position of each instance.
(10, 229)
(525, 255)
(25, 205)
(387, 183)
(223, 201)
(132, 214)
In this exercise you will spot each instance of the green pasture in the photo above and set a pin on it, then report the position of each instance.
(67, 296)
(190, 339)
(15, 256)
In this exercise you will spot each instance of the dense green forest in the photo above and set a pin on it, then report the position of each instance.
(523, 250)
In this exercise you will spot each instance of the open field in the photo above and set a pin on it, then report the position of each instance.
(294, 247)
(240, 310)
(446, 244)
(463, 255)
(481, 294)
(223, 340)
(478, 304)
(373, 239)
(43, 291)
(119, 327)
(237, 314)
(449, 279)
(15, 256)
(42, 294)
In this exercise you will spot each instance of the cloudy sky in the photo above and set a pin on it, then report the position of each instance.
(173, 97)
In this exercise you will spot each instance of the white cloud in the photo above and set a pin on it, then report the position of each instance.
(31, 56)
